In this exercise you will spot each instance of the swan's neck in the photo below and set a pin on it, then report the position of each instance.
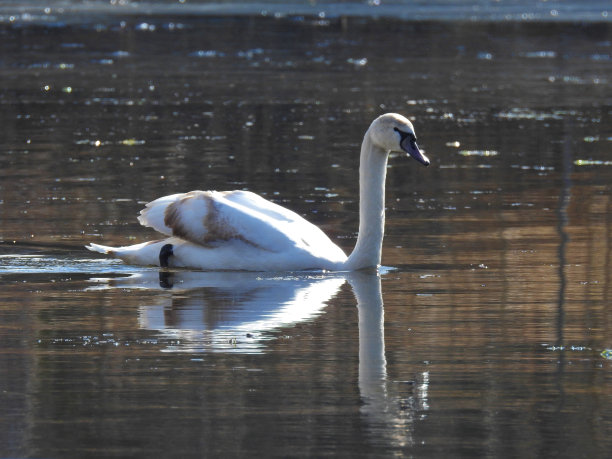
(372, 174)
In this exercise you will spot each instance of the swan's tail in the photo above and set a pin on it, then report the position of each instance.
(101, 249)
(145, 253)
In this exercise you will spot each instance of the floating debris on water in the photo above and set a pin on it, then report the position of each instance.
(478, 153)
(132, 142)
(592, 162)
(518, 113)
(485, 55)
(540, 54)
(207, 53)
(359, 62)
(572, 347)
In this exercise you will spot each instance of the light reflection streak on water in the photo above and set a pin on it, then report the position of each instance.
(37, 264)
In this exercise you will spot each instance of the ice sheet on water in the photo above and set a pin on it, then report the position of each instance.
(100, 11)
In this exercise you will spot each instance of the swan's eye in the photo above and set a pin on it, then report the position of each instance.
(403, 135)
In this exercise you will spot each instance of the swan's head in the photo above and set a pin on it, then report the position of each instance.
(393, 132)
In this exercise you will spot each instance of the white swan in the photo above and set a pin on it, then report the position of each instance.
(239, 230)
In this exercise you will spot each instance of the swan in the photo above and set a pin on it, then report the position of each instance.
(240, 230)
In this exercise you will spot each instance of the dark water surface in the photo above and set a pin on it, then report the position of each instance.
(496, 333)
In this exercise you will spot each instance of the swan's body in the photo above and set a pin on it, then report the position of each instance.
(239, 230)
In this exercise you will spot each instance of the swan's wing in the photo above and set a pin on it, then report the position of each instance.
(153, 215)
(210, 217)
(254, 201)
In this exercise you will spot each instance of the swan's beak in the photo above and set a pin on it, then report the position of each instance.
(411, 147)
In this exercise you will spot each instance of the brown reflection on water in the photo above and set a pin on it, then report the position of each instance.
(495, 317)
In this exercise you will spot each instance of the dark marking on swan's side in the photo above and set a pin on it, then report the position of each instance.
(165, 253)
(172, 218)
(215, 228)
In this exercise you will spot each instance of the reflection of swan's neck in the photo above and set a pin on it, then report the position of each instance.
(384, 411)
(372, 174)
(372, 362)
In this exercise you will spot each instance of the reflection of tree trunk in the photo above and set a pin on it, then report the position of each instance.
(562, 221)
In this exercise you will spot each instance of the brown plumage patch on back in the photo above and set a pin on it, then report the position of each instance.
(214, 227)
(173, 218)
(218, 229)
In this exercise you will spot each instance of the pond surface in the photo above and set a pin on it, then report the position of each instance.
(495, 336)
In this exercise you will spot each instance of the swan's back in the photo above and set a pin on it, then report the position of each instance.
(211, 219)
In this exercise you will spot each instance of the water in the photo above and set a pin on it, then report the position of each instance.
(494, 339)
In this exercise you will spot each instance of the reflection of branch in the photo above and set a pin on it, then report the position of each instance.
(562, 221)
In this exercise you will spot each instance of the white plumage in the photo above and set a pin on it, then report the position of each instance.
(240, 230)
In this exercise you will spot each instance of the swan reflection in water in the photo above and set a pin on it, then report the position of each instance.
(227, 311)
(238, 311)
